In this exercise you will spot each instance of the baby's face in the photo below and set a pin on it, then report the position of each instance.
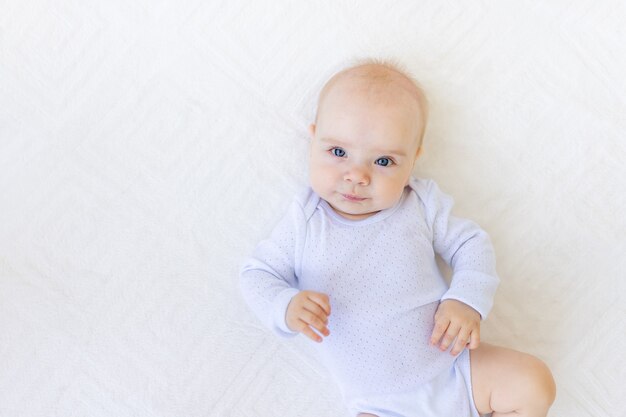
(363, 150)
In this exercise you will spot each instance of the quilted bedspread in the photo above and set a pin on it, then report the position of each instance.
(146, 146)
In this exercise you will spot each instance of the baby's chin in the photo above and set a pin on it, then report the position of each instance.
(354, 216)
(351, 213)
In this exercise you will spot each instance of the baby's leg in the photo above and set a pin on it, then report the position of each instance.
(510, 383)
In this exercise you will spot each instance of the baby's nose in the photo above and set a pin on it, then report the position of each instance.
(358, 175)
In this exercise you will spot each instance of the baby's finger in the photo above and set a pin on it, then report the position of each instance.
(306, 330)
(316, 309)
(440, 328)
(322, 300)
(474, 339)
(314, 321)
(451, 334)
(461, 342)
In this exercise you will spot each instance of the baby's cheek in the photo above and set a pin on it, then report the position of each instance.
(392, 192)
(321, 180)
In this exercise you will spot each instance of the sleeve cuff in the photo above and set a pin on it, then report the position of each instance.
(281, 302)
(475, 289)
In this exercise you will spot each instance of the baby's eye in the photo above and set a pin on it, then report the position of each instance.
(384, 162)
(338, 152)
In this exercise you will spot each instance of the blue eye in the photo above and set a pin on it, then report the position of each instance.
(338, 152)
(384, 162)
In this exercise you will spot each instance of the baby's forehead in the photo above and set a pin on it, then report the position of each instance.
(377, 81)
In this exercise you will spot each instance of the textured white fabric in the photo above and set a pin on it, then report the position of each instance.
(146, 146)
(382, 280)
(448, 395)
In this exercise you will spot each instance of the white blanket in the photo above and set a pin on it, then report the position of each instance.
(145, 147)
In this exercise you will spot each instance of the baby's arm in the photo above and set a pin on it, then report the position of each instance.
(269, 284)
(468, 250)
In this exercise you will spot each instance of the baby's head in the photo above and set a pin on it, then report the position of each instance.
(366, 137)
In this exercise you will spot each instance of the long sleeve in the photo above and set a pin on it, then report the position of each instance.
(466, 248)
(268, 279)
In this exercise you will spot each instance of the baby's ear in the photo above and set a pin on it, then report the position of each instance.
(312, 130)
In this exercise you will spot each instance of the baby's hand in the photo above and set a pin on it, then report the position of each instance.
(455, 319)
(308, 308)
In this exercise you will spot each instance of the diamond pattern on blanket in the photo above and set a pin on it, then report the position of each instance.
(145, 147)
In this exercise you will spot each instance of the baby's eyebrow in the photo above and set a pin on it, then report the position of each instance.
(389, 152)
(393, 152)
(333, 141)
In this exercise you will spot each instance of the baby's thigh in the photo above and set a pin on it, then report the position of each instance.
(367, 415)
(504, 379)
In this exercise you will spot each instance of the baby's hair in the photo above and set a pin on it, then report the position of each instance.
(369, 69)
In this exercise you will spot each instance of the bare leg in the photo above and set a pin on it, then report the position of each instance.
(510, 383)
(366, 415)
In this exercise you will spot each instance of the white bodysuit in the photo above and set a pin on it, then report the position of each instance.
(384, 287)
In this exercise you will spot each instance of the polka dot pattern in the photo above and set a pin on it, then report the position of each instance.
(384, 285)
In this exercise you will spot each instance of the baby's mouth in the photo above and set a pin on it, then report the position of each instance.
(351, 197)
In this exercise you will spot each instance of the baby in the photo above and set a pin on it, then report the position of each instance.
(352, 266)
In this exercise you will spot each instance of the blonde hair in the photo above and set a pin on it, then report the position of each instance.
(376, 72)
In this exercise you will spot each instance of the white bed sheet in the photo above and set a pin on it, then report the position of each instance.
(146, 146)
